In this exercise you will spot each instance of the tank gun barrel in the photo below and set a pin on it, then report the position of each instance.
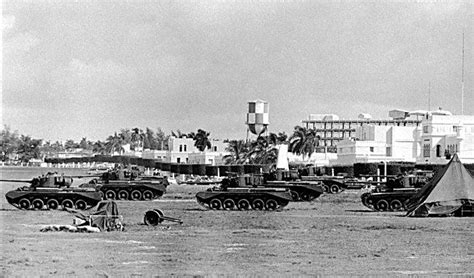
(86, 176)
(14, 180)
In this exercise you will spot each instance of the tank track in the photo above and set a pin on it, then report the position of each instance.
(250, 203)
(386, 203)
(42, 203)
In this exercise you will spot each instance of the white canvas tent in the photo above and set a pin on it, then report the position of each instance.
(450, 190)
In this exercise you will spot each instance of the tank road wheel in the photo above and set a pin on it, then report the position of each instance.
(258, 204)
(37, 204)
(243, 204)
(305, 196)
(215, 204)
(123, 195)
(334, 189)
(136, 195)
(67, 203)
(24, 203)
(229, 204)
(271, 204)
(81, 204)
(396, 205)
(294, 195)
(110, 194)
(382, 205)
(52, 204)
(148, 195)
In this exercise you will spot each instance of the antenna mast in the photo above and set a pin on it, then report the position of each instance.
(429, 96)
(462, 77)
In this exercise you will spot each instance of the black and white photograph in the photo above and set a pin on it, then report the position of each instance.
(217, 138)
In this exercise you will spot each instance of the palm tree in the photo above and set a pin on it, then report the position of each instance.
(114, 143)
(162, 140)
(29, 148)
(263, 150)
(178, 134)
(99, 147)
(9, 142)
(126, 136)
(137, 138)
(238, 152)
(201, 140)
(277, 139)
(303, 141)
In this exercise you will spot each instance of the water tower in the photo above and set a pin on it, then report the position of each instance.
(257, 117)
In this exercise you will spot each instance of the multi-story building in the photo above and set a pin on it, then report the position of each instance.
(374, 143)
(444, 135)
(182, 150)
(332, 130)
(438, 137)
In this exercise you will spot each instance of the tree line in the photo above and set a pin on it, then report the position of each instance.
(262, 150)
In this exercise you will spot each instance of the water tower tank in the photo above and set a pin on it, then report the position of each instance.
(257, 116)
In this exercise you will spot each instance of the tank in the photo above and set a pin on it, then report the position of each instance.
(393, 195)
(121, 184)
(299, 190)
(244, 192)
(52, 191)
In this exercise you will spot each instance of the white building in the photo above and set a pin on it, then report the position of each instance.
(439, 136)
(375, 143)
(444, 135)
(182, 150)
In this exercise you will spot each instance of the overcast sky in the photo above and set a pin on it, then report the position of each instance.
(89, 68)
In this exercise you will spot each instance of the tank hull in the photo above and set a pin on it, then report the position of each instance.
(53, 198)
(300, 191)
(244, 199)
(388, 201)
(330, 185)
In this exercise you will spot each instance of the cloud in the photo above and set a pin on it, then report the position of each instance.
(8, 21)
(19, 45)
(98, 80)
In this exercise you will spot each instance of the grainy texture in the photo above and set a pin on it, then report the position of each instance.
(334, 235)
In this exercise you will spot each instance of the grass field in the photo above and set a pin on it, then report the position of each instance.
(333, 235)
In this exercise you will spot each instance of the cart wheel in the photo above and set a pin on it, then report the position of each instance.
(153, 217)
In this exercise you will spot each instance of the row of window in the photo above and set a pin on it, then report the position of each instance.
(447, 129)
(184, 148)
(451, 149)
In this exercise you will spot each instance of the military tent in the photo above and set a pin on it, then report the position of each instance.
(451, 191)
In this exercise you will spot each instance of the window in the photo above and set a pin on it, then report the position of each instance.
(215, 148)
(455, 128)
(426, 150)
(388, 151)
(425, 129)
(438, 150)
(371, 149)
(185, 148)
(178, 160)
(180, 148)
